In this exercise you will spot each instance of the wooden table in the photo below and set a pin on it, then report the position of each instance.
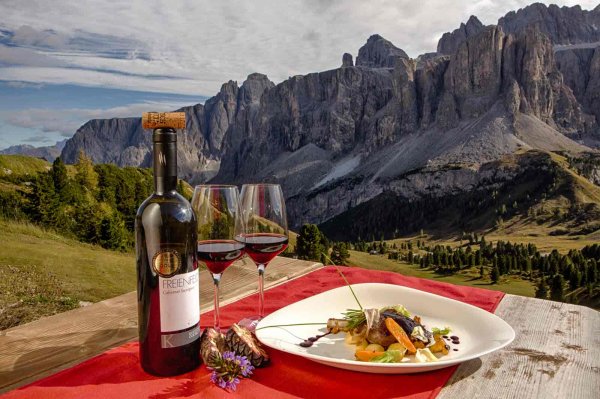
(555, 354)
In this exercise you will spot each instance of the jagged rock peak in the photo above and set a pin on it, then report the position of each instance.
(254, 86)
(347, 60)
(228, 87)
(473, 25)
(379, 53)
(563, 25)
(450, 41)
(256, 76)
(257, 81)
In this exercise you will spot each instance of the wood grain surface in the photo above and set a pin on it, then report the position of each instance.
(43, 347)
(556, 354)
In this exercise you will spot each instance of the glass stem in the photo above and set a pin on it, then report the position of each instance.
(216, 281)
(261, 291)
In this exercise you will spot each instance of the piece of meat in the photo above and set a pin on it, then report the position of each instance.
(379, 334)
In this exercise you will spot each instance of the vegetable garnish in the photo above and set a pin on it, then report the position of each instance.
(355, 318)
(445, 331)
(398, 308)
(400, 335)
(389, 356)
(367, 355)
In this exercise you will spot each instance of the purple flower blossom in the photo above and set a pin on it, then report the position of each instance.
(227, 367)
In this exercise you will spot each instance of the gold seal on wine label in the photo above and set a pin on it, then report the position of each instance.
(156, 120)
(166, 263)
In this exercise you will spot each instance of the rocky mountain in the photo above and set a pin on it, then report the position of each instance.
(450, 41)
(122, 141)
(49, 153)
(562, 25)
(429, 127)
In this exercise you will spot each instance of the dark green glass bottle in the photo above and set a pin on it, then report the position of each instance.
(167, 270)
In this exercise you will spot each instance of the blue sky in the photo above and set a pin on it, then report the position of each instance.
(69, 61)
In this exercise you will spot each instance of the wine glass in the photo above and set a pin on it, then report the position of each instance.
(219, 223)
(266, 235)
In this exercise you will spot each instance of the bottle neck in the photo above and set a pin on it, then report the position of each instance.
(165, 167)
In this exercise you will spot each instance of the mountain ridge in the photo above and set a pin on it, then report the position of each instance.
(338, 138)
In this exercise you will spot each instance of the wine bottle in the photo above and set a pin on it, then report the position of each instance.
(166, 259)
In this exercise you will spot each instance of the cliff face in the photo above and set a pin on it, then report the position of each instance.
(338, 138)
(122, 141)
(450, 41)
(563, 25)
(580, 68)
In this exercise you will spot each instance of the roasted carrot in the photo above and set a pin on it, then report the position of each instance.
(400, 335)
(365, 356)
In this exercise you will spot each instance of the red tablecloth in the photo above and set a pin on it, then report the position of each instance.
(117, 374)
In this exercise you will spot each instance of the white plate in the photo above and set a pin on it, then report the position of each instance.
(480, 332)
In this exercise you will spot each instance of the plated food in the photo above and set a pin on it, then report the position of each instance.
(390, 335)
(480, 332)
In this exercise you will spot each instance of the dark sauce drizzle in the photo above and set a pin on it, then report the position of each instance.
(454, 339)
(307, 343)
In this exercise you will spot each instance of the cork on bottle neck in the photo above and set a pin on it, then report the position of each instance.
(160, 120)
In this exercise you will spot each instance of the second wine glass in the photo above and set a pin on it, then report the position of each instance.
(219, 224)
(266, 235)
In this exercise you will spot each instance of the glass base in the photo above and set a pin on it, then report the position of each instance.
(250, 322)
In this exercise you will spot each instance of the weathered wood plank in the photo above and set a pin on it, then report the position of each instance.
(51, 344)
(556, 354)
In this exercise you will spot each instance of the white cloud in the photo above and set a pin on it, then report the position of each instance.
(26, 35)
(207, 42)
(26, 56)
(24, 85)
(103, 79)
(67, 121)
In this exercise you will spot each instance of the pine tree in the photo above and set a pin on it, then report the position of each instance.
(542, 289)
(495, 275)
(112, 233)
(481, 272)
(592, 272)
(44, 204)
(59, 177)
(85, 175)
(574, 280)
(339, 254)
(557, 292)
(309, 243)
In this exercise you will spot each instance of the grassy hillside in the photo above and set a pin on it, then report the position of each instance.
(21, 165)
(545, 198)
(470, 277)
(42, 273)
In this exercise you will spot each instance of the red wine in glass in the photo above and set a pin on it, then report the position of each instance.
(218, 255)
(266, 233)
(219, 223)
(263, 247)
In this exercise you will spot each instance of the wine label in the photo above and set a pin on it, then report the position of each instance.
(180, 339)
(166, 263)
(179, 301)
(156, 120)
